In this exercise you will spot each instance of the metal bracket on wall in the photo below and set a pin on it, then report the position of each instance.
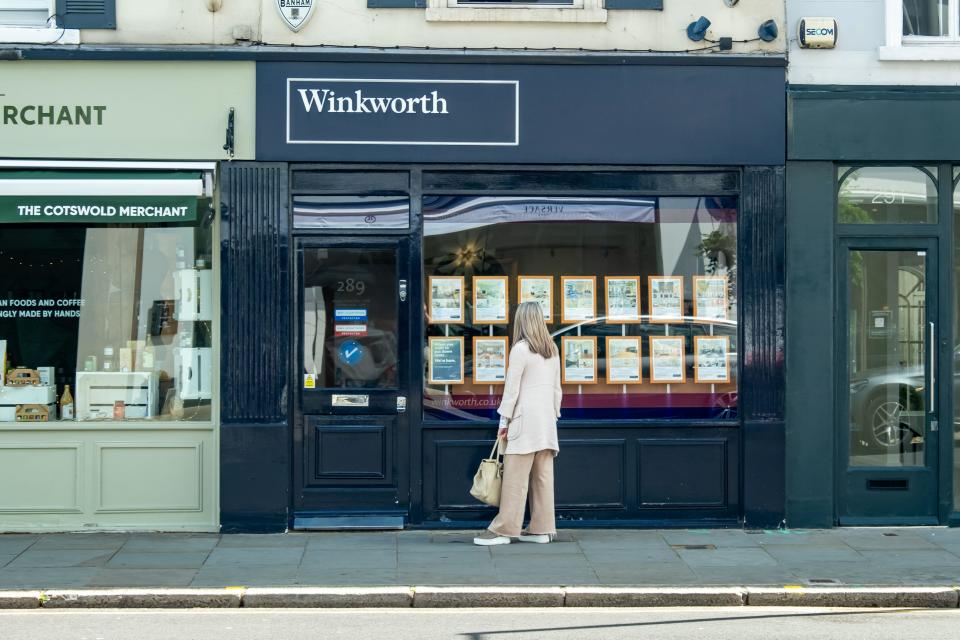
(228, 145)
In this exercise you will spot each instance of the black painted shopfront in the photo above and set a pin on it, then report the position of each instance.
(397, 212)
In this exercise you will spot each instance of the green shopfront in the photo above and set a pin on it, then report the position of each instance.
(873, 228)
(109, 287)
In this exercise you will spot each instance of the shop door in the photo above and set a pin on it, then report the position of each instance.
(353, 347)
(889, 391)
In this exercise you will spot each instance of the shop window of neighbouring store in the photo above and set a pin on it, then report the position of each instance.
(639, 293)
(956, 334)
(887, 195)
(121, 313)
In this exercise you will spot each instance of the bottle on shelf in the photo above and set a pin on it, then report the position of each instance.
(66, 404)
(108, 360)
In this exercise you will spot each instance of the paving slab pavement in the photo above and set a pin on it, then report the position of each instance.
(786, 561)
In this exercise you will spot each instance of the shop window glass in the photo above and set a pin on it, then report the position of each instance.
(620, 278)
(887, 195)
(956, 334)
(121, 313)
(926, 18)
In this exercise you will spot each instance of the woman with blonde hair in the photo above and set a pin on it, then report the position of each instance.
(528, 419)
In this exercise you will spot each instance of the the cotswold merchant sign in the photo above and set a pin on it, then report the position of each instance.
(97, 209)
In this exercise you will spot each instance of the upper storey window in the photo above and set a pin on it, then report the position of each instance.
(929, 19)
(516, 10)
(922, 30)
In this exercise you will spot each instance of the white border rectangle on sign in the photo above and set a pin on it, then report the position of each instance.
(516, 123)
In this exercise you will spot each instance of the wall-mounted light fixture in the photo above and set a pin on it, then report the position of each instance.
(768, 31)
(697, 30)
(730, 3)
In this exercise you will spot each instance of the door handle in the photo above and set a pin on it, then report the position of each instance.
(933, 368)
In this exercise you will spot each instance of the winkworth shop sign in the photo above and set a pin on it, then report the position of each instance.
(368, 111)
(629, 111)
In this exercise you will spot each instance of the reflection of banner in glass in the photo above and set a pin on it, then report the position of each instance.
(450, 214)
(351, 212)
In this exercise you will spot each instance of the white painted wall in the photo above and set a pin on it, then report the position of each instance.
(349, 22)
(861, 47)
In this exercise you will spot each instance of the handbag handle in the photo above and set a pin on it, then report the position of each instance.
(494, 452)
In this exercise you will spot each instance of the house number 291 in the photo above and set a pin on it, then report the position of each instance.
(350, 285)
(889, 197)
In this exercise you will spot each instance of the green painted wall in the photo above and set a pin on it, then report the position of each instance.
(873, 124)
(810, 350)
(125, 109)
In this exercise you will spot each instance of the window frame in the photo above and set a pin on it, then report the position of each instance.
(50, 33)
(898, 46)
(454, 11)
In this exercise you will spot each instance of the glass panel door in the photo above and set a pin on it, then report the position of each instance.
(890, 389)
(353, 356)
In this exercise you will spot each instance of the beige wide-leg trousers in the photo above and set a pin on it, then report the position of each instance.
(520, 472)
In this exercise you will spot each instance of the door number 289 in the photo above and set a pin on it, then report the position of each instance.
(350, 285)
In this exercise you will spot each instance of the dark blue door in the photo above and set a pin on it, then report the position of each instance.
(351, 432)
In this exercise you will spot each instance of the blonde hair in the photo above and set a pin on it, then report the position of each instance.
(528, 326)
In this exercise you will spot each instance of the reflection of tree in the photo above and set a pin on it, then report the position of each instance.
(849, 213)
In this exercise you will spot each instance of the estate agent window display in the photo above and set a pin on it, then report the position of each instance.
(115, 320)
(639, 294)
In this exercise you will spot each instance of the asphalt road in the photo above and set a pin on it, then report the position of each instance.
(482, 624)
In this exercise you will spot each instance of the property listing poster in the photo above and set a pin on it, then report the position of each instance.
(446, 361)
(446, 299)
(711, 359)
(579, 298)
(710, 297)
(490, 360)
(623, 360)
(667, 359)
(538, 289)
(666, 298)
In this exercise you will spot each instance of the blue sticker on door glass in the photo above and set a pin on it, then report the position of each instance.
(351, 352)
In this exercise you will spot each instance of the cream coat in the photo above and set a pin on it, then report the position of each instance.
(531, 400)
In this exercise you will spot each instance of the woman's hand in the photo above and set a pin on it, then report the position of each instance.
(502, 432)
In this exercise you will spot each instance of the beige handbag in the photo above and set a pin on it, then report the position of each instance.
(489, 477)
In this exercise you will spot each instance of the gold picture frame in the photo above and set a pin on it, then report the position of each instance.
(476, 358)
(548, 315)
(698, 355)
(431, 363)
(696, 296)
(564, 317)
(431, 309)
(611, 353)
(652, 283)
(503, 283)
(636, 318)
(679, 356)
(564, 360)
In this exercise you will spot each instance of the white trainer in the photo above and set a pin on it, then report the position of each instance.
(539, 538)
(489, 538)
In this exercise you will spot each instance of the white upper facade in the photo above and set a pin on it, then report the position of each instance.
(446, 24)
(879, 42)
